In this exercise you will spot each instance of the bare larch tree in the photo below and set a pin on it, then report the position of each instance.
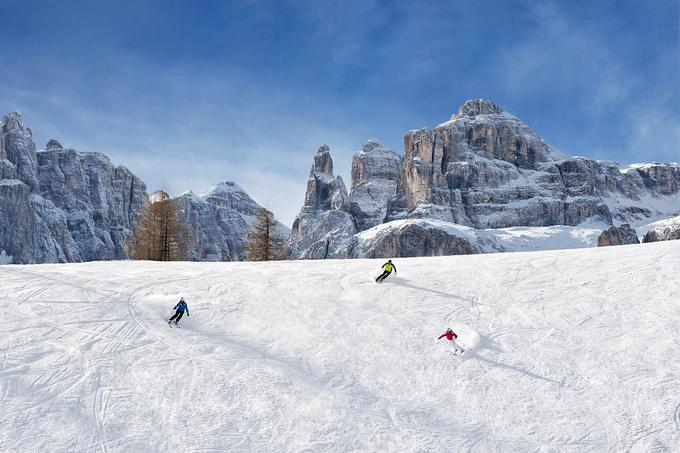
(265, 241)
(159, 234)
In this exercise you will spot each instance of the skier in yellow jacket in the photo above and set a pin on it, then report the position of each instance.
(389, 267)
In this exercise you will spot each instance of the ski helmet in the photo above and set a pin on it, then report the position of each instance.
(449, 330)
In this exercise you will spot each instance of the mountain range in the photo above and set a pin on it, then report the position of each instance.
(483, 181)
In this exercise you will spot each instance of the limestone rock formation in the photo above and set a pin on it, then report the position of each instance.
(484, 168)
(18, 151)
(620, 235)
(375, 170)
(219, 222)
(409, 238)
(487, 169)
(60, 205)
(665, 230)
(324, 228)
(23, 232)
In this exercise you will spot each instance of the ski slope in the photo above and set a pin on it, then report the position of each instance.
(570, 351)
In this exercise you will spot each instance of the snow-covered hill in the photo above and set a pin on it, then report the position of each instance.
(574, 350)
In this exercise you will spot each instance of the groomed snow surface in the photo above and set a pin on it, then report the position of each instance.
(573, 350)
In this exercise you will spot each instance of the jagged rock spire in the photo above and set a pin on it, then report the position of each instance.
(325, 190)
(324, 228)
(323, 162)
(17, 146)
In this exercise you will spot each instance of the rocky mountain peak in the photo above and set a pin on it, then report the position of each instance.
(61, 207)
(325, 190)
(230, 195)
(484, 169)
(219, 222)
(11, 121)
(53, 145)
(474, 107)
(324, 227)
(370, 145)
(17, 150)
(225, 187)
(323, 162)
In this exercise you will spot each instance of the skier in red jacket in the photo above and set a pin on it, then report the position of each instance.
(451, 336)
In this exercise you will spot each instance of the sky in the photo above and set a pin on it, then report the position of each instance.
(187, 94)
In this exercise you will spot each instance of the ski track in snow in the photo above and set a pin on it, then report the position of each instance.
(565, 351)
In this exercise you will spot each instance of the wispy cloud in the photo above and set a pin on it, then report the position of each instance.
(563, 56)
(263, 140)
(653, 132)
(248, 90)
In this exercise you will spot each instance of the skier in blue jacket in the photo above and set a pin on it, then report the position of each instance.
(181, 307)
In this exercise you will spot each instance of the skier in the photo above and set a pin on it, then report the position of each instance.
(180, 307)
(388, 266)
(451, 336)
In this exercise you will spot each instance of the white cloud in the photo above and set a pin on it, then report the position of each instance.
(193, 142)
(653, 134)
(564, 56)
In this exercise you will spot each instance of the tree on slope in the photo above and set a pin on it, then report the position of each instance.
(265, 241)
(159, 233)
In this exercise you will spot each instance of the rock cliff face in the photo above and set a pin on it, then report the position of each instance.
(665, 230)
(484, 168)
(219, 222)
(375, 170)
(59, 205)
(621, 235)
(415, 238)
(487, 169)
(17, 151)
(324, 228)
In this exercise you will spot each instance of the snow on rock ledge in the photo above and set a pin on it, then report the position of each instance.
(410, 238)
(446, 238)
(664, 230)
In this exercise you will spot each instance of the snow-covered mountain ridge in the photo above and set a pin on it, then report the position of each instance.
(570, 351)
(484, 169)
(220, 222)
(63, 205)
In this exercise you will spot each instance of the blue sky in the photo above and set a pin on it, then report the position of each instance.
(188, 94)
